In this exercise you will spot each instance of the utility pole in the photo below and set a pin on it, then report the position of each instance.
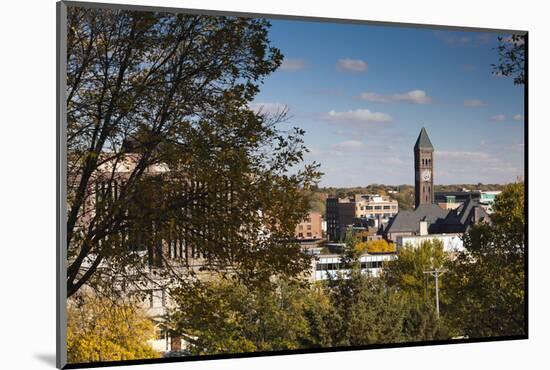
(436, 273)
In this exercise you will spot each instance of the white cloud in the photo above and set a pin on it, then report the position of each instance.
(348, 145)
(373, 97)
(292, 64)
(457, 40)
(518, 117)
(413, 96)
(485, 38)
(266, 107)
(358, 115)
(474, 103)
(351, 65)
(488, 167)
(498, 118)
(392, 161)
(464, 156)
(462, 39)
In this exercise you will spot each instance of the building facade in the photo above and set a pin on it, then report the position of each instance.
(345, 213)
(451, 242)
(375, 207)
(330, 265)
(311, 227)
(340, 213)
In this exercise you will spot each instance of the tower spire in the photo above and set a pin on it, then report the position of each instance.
(423, 141)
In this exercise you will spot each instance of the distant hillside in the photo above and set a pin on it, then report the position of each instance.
(404, 194)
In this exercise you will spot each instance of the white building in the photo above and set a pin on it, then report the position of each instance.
(451, 242)
(371, 264)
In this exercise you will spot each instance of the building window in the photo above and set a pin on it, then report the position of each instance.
(309, 235)
(377, 207)
(386, 207)
(309, 227)
(369, 207)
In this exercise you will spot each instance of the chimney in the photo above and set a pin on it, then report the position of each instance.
(423, 227)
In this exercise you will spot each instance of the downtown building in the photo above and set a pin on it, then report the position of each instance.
(361, 210)
(437, 216)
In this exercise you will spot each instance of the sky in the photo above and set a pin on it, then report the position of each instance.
(362, 93)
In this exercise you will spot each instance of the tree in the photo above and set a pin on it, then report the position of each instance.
(511, 63)
(379, 246)
(364, 309)
(405, 197)
(164, 151)
(99, 329)
(225, 316)
(407, 275)
(486, 282)
(407, 271)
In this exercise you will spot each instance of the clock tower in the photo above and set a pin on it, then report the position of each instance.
(423, 170)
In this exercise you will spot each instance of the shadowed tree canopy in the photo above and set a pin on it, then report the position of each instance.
(224, 316)
(511, 61)
(486, 282)
(163, 150)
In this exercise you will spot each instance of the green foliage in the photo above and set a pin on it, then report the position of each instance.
(99, 329)
(407, 271)
(364, 311)
(368, 310)
(406, 275)
(225, 316)
(486, 283)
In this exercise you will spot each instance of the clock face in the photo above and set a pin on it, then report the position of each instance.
(426, 175)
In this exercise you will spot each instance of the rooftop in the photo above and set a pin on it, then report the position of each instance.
(423, 141)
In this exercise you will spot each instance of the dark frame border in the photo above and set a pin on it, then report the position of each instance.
(61, 191)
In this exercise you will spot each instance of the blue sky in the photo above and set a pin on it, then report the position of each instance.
(363, 92)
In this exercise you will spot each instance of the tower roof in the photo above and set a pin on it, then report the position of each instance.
(423, 141)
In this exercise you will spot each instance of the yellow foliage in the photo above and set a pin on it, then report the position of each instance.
(380, 246)
(361, 247)
(101, 330)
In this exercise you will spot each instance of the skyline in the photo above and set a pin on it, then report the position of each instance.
(362, 93)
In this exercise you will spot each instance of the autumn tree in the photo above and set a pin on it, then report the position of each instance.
(380, 246)
(226, 316)
(164, 151)
(486, 283)
(99, 329)
(407, 271)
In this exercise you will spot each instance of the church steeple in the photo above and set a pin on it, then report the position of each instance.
(423, 167)
(423, 141)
